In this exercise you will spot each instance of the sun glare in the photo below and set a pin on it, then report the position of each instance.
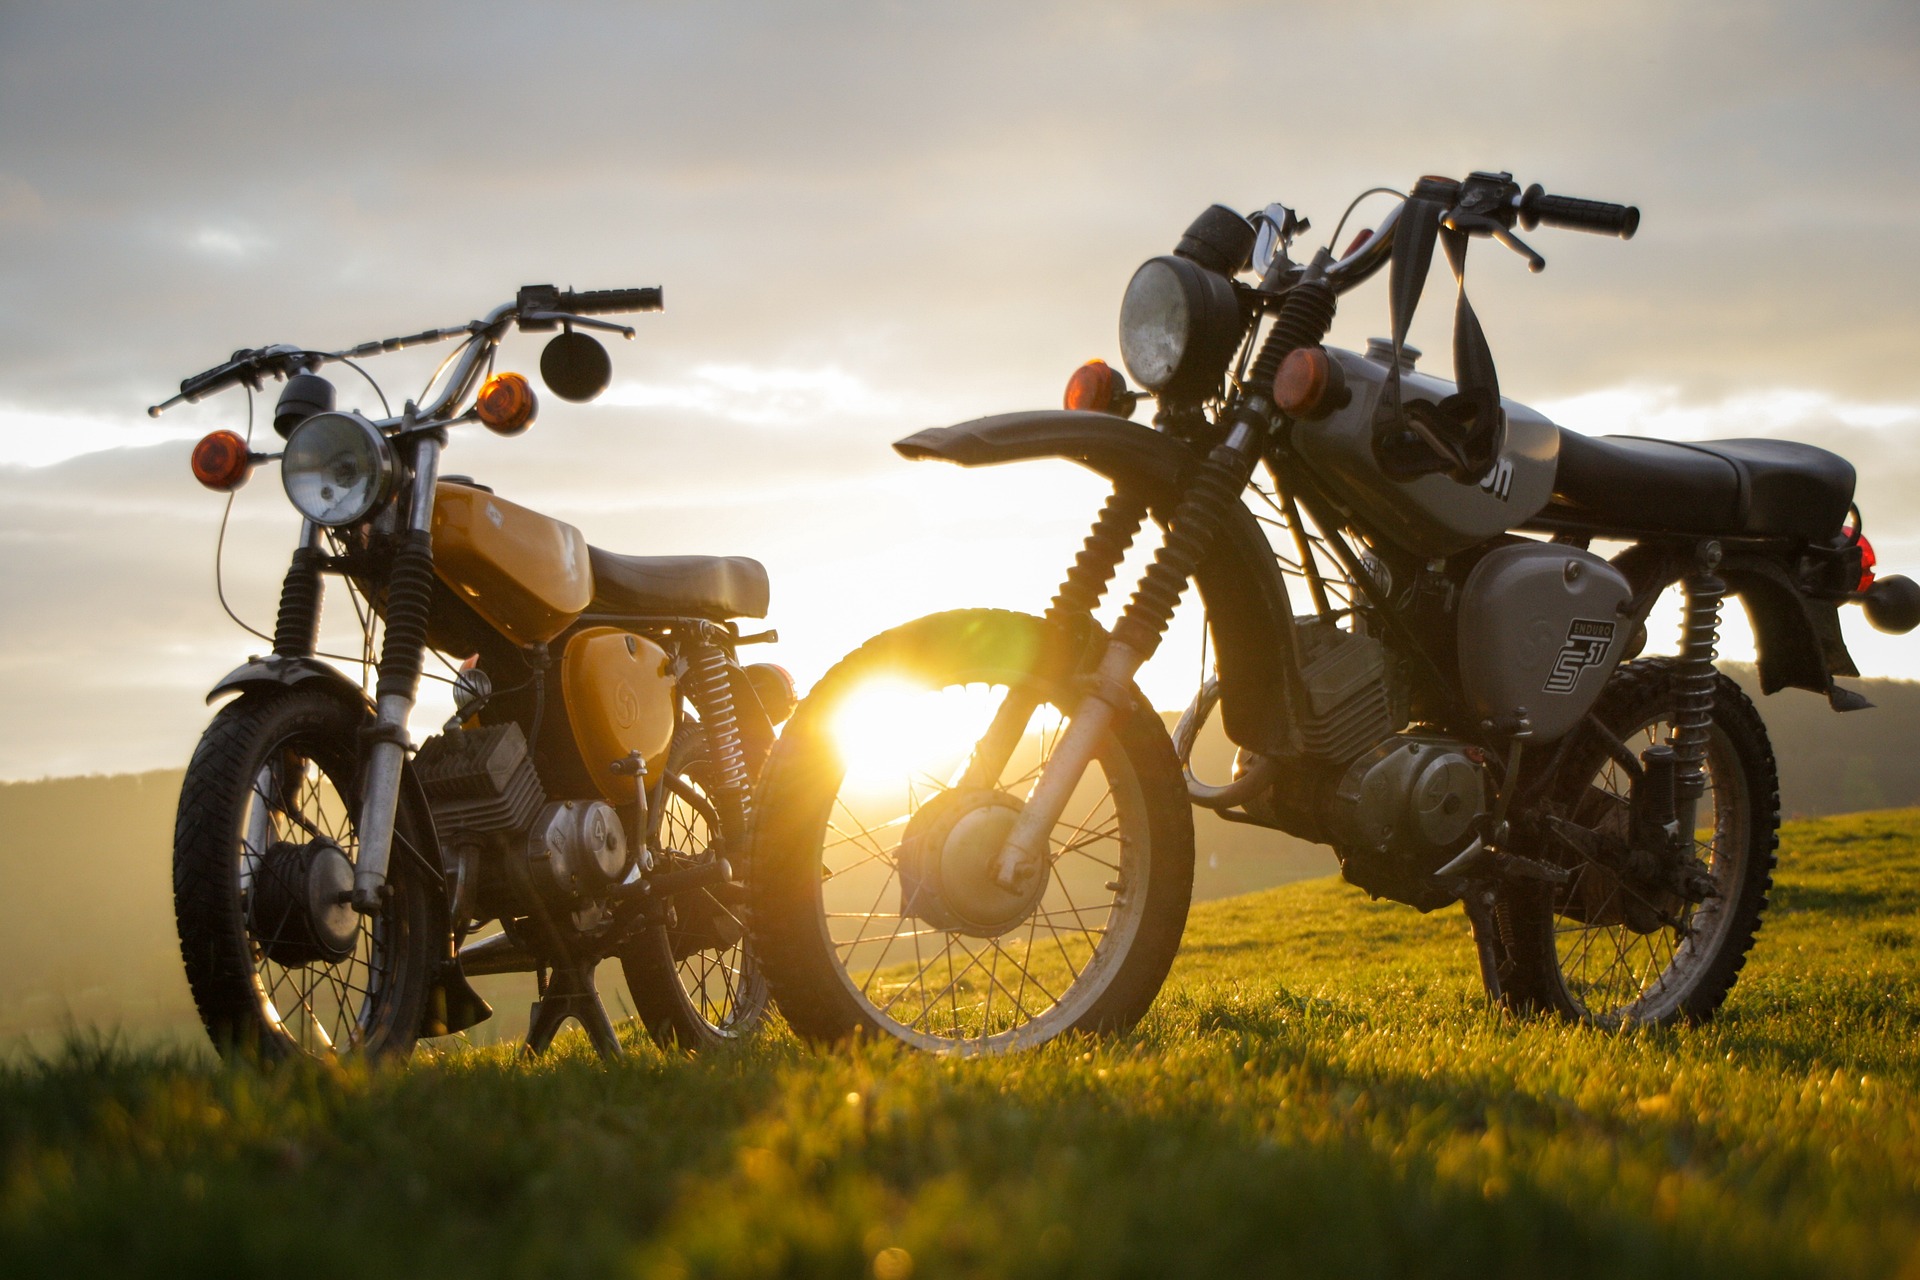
(890, 731)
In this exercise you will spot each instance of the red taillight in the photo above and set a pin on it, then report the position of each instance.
(1092, 387)
(221, 461)
(1867, 561)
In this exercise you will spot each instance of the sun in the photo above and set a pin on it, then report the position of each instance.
(890, 732)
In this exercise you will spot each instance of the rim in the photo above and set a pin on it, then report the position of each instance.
(1613, 972)
(319, 1008)
(949, 989)
(718, 982)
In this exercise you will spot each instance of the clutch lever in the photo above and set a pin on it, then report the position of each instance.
(567, 317)
(1478, 224)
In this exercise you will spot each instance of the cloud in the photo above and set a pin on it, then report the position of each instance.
(869, 217)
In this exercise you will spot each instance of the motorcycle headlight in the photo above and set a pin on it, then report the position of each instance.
(1179, 324)
(338, 469)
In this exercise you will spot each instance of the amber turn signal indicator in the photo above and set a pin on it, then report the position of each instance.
(506, 404)
(1098, 387)
(221, 461)
(1309, 384)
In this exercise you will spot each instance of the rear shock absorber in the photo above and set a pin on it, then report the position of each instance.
(1693, 684)
(711, 689)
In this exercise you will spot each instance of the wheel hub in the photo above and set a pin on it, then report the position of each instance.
(300, 908)
(946, 865)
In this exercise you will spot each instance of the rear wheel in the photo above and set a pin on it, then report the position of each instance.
(1613, 949)
(265, 843)
(693, 978)
(875, 909)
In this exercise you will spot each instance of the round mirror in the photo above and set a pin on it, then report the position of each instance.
(575, 367)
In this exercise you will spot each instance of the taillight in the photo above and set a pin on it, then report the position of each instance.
(221, 461)
(506, 404)
(1867, 561)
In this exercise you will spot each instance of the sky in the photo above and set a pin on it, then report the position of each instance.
(868, 219)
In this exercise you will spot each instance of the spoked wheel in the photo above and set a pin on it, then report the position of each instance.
(875, 904)
(1614, 947)
(693, 978)
(264, 851)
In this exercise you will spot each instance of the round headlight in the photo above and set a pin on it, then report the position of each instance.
(1179, 323)
(1155, 324)
(337, 469)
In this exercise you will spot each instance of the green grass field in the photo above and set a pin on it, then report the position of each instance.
(1321, 1090)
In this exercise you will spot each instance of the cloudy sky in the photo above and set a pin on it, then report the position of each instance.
(868, 218)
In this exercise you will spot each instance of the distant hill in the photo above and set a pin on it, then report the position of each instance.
(86, 921)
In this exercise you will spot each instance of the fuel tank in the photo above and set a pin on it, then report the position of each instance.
(1431, 515)
(525, 573)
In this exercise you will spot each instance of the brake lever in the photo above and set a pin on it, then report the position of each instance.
(1479, 224)
(567, 317)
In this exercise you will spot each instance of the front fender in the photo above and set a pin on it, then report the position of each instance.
(275, 670)
(1239, 583)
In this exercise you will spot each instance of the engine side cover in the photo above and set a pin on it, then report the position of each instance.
(578, 848)
(1542, 626)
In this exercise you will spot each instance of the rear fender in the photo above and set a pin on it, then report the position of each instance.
(1240, 583)
(1796, 636)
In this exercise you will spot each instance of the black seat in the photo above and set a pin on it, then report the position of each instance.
(1771, 488)
(717, 587)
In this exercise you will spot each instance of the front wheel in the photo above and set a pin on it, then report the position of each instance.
(1615, 948)
(875, 910)
(264, 847)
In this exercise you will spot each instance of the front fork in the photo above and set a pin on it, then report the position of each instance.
(409, 599)
(1208, 495)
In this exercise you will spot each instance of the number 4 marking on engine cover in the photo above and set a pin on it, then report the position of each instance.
(1586, 646)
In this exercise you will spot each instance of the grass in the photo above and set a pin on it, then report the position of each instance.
(1320, 1090)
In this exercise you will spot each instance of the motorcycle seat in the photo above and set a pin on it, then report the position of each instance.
(717, 587)
(1766, 488)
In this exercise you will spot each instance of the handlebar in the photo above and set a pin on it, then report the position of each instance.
(1538, 209)
(553, 305)
(1499, 203)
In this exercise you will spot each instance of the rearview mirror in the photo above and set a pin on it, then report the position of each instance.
(575, 367)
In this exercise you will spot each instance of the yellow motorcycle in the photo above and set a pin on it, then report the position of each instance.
(333, 884)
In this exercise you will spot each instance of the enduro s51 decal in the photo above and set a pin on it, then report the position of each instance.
(1586, 646)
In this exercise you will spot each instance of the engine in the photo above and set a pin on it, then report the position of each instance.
(1403, 810)
(1539, 628)
(509, 841)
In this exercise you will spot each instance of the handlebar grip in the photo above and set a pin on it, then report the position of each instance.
(601, 301)
(214, 379)
(1537, 208)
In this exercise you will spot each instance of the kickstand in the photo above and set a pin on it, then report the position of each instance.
(1478, 901)
(568, 992)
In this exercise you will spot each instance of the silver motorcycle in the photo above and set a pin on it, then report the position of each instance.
(975, 834)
